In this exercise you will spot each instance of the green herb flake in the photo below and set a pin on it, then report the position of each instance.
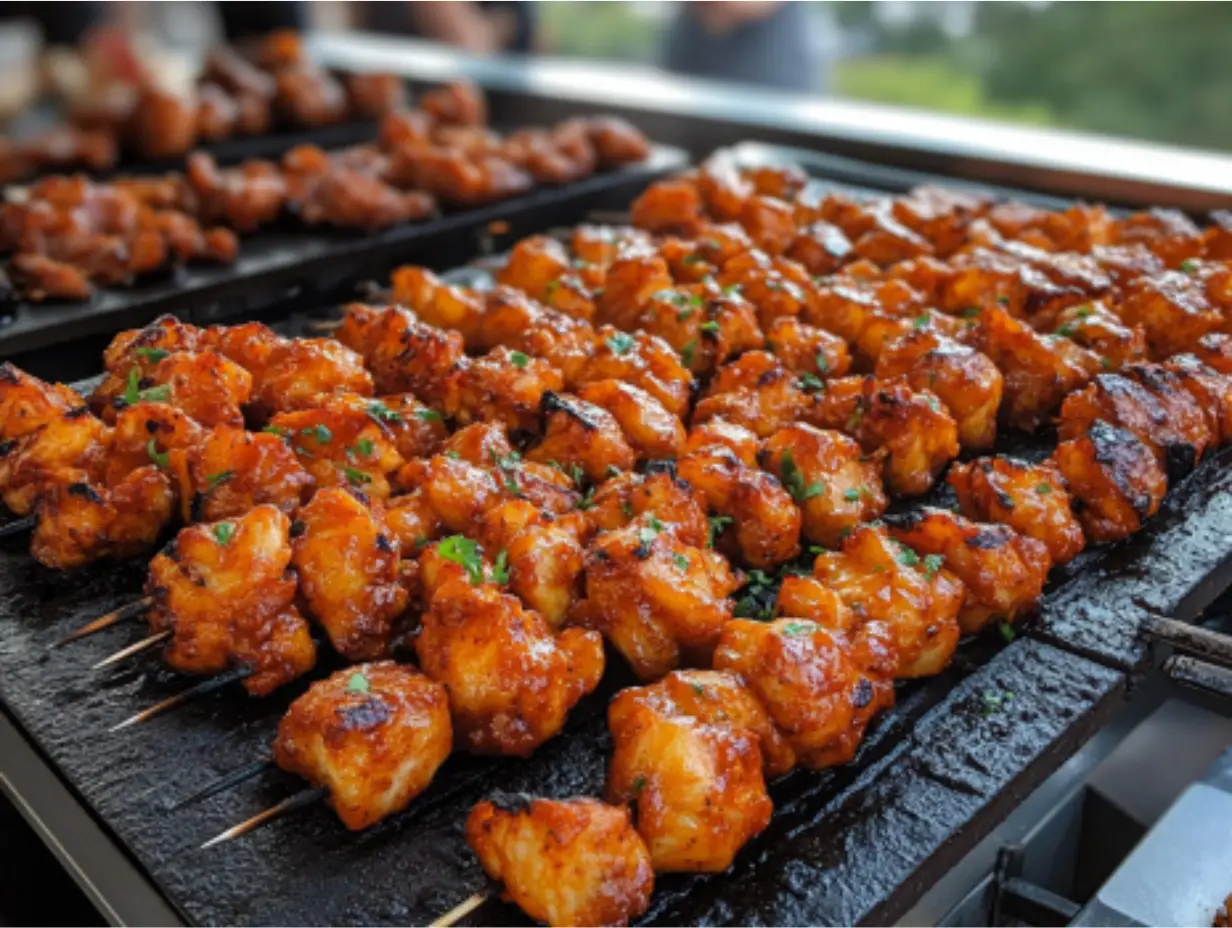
(550, 289)
(688, 351)
(500, 569)
(160, 458)
(717, 525)
(710, 326)
(518, 359)
(811, 383)
(1006, 630)
(364, 447)
(1105, 363)
(318, 433)
(693, 259)
(1043, 488)
(275, 430)
(685, 313)
(852, 495)
(358, 683)
(153, 355)
(1083, 312)
(932, 564)
(588, 499)
(428, 415)
(1067, 330)
(906, 556)
(356, 477)
(796, 629)
(971, 312)
(920, 322)
(620, 343)
(464, 552)
(698, 689)
(1189, 266)
(158, 394)
(638, 785)
(793, 480)
(223, 532)
(132, 387)
(382, 413)
(733, 290)
(213, 480)
(680, 561)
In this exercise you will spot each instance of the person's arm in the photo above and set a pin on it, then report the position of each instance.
(717, 16)
(455, 22)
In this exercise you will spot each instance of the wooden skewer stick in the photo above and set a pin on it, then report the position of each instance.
(460, 911)
(143, 645)
(106, 621)
(324, 326)
(199, 689)
(298, 801)
(18, 526)
(225, 782)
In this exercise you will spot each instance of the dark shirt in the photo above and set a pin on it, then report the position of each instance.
(782, 49)
(242, 20)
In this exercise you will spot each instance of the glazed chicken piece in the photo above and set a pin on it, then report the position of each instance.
(404, 354)
(597, 246)
(805, 678)
(1215, 350)
(577, 434)
(915, 432)
(373, 734)
(899, 611)
(342, 442)
(233, 471)
(640, 359)
(1115, 479)
(757, 392)
(693, 773)
(669, 207)
(511, 682)
(62, 447)
(1172, 309)
(1032, 499)
(348, 568)
(806, 349)
(79, 523)
(350, 198)
(418, 430)
(1003, 572)
(205, 385)
(486, 446)
(652, 431)
(1097, 328)
(540, 153)
(225, 592)
(1150, 402)
(1211, 390)
(511, 318)
(834, 483)
(736, 438)
(631, 280)
(1168, 232)
(145, 347)
(39, 278)
(370, 96)
(563, 862)
(234, 73)
(616, 141)
(162, 124)
(659, 601)
(149, 433)
(217, 113)
(442, 305)
(776, 286)
(27, 403)
(309, 97)
(706, 325)
(245, 197)
(659, 493)
(504, 387)
(766, 521)
(457, 103)
(299, 373)
(966, 382)
(1037, 375)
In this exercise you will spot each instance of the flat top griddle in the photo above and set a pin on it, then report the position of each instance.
(856, 844)
(314, 264)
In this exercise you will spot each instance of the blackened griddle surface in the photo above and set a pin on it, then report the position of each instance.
(317, 265)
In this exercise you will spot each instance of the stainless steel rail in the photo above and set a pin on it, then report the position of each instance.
(1060, 162)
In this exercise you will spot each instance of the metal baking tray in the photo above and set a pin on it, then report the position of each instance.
(318, 265)
(857, 844)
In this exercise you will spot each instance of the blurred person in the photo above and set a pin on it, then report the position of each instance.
(771, 44)
(484, 28)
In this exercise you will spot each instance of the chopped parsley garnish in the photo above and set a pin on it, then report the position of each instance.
(688, 351)
(796, 629)
(698, 689)
(972, 312)
(733, 290)
(464, 552)
(811, 383)
(851, 495)
(223, 532)
(693, 259)
(133, 394)
(160, 458)
(364, 447)
(1083, 312)
(1067, 330)
(153, 355)
(518, 359)
(213, 480)
(588, 499)
(500, 569)
(620, 343)
(680, 561)
(906, 556)
(1043, 488)
(453, 455)
(685, 313)
(356, 477)
(793, 480)
(318, 433)
(757, 601)
(710, 326)
(920, 321)
(551, 288)
(638, 785)
(428, 415)
(1189, 265)
(823, 364)
(934, 404)
(932, 564)
(358, 683)
(275, 430)
(1006, 630)
(717, 525)
(382, 413)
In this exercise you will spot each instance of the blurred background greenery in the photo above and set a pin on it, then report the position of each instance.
(1159, 71)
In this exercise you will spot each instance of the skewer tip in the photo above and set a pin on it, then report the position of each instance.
(460, 911)
(300, 799)
(143, 645)
(106, 621)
